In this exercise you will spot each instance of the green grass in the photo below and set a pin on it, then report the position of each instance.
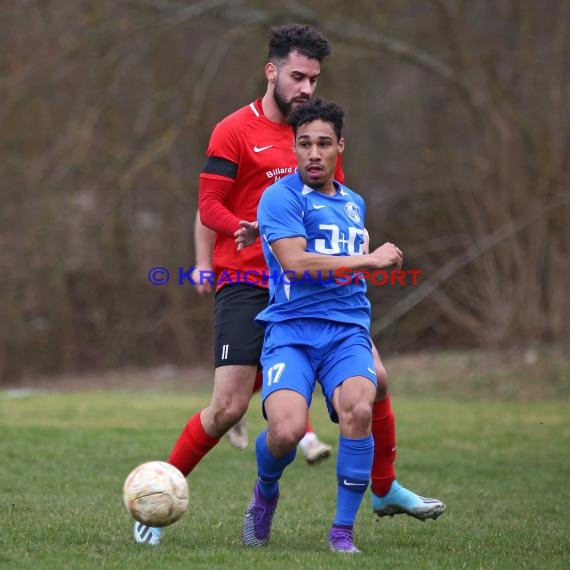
(501, 467)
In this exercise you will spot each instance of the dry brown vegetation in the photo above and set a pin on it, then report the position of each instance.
(458, 137)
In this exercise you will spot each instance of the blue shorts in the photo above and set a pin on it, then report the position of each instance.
(298, 352)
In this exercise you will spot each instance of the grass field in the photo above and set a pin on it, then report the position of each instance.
(502, 467)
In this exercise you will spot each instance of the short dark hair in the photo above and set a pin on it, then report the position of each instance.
(315, 109)
(296, 37)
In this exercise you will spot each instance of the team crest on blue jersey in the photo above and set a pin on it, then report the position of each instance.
(353, 212)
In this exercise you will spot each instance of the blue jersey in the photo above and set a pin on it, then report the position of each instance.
(332, 225)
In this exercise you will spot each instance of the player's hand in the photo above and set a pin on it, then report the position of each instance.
(387, 255)
(247, 234)
(203, 286)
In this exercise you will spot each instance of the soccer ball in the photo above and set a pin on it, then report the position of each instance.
(156, 493)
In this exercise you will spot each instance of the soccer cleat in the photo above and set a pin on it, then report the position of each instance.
(315, 451)
(237, 435)
(340, 540)
(401, 501)
(258, 518)
(147, 534)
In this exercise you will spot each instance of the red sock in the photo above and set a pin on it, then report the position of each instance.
(258, 381)
(191, 446)
(384, 434)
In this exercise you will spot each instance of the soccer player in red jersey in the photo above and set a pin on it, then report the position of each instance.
(249, 150)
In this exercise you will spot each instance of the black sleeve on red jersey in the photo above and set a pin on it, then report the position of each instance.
(220, 166)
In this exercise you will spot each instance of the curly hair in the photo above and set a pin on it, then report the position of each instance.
(315, 109)
(296, 37)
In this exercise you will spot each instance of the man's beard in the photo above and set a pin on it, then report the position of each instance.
(284, 106)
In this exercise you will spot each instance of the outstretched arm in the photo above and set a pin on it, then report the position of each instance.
(292, 255)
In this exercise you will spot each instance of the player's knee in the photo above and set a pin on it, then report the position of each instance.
(286, 434)
(234, 415)
(226, 413)
(362, 414)
(356, 416)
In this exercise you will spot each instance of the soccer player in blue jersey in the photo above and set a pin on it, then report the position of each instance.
(316, 326)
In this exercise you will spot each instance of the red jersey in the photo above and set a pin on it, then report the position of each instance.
(246, 154)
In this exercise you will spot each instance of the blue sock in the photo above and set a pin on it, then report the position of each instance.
(269, 467)
(353, 468)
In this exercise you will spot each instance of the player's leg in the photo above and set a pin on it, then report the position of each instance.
(275, 449)
(384, 433)
(238, 341)
(286, 412)
(350, 400)
(353, 402)
(388, 496)
(313, 449)
(237, 434)
(287, 391)
(229, 402)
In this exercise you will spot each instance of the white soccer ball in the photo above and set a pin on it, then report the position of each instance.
(156, 493)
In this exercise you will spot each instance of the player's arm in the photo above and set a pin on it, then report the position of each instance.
(203, 238)
(218, 177)
(292, 255)
(280, 215)
(216, 183)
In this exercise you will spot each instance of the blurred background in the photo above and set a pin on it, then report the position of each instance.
(458, 137)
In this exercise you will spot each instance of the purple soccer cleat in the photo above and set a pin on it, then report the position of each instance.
(258, 518)
(340, 540)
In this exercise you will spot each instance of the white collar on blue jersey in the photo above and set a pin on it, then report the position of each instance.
(307, 190)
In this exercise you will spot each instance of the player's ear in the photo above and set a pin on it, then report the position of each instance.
(270, 72)
(341, 145)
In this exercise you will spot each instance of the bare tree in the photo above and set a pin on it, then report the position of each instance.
(458, 138)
